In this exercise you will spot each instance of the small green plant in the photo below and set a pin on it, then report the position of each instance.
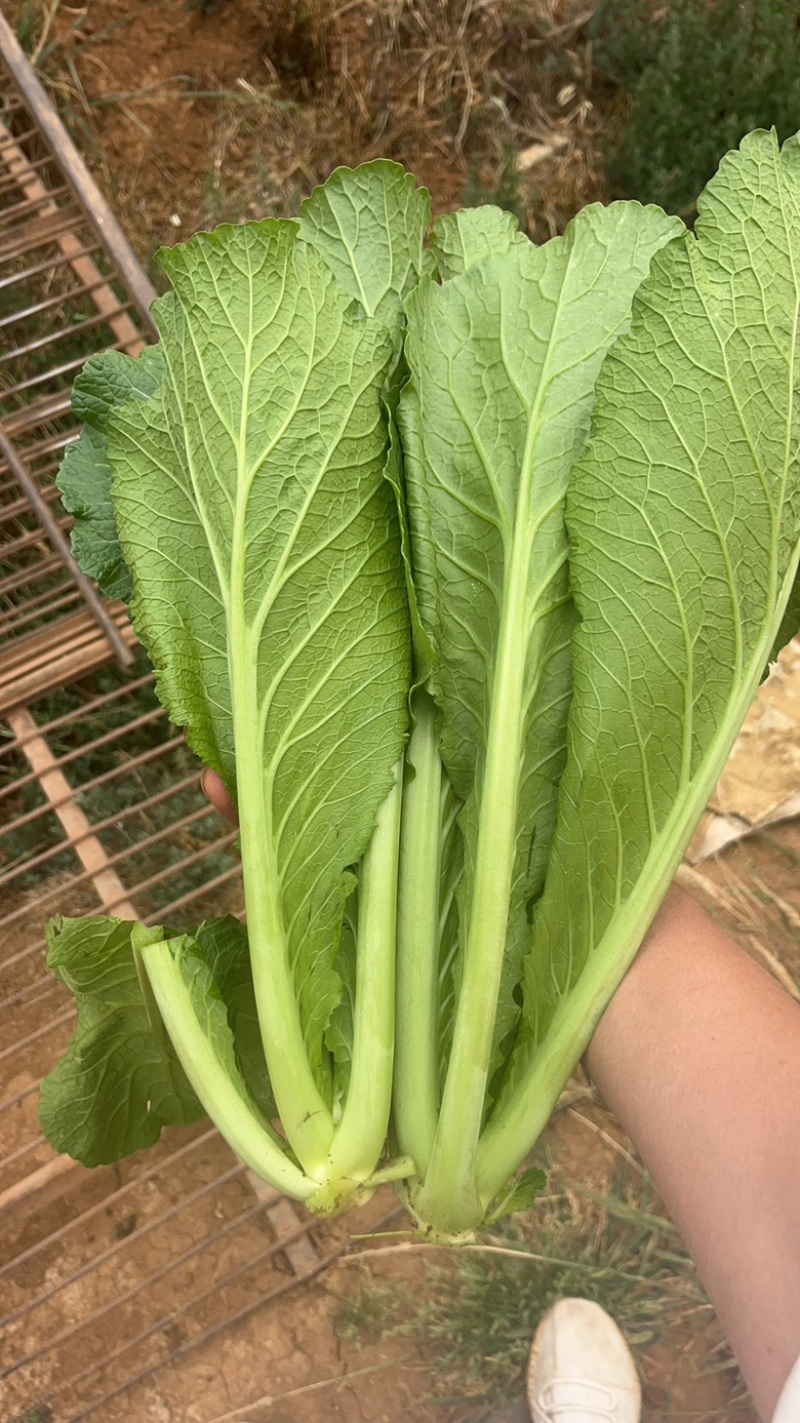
(694, 78)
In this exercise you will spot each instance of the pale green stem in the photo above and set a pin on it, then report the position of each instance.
(519, 1120)
(303, 1112)
(397, 1170)
(360, 1136)
(448, 1199)
(237, 1122)
(416, 1087)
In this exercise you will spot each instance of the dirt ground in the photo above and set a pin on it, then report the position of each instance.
(142, 81)
(193, 114)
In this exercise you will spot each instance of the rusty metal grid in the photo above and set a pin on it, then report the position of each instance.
(112, 1278)
(63, 297)
(60, 301)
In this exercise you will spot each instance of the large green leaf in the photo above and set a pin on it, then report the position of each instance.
(684, 519)
(269, 590)
(503, 362)
(369, 224)
(119, 1083)
(107, 380)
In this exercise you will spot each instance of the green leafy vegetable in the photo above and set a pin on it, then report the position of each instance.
(461, 565)
(84, 480)
(120, 1081)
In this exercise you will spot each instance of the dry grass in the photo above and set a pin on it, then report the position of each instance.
(739, 894)
(482, 99)
(464, 92)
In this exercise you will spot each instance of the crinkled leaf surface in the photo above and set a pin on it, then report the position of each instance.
(222, 944)
(684, 519)
(790, 623)
(107, 380)
(264, 547)
(215, 974)
(460, 239)
(503, 363)
(369, 224)
(119, 1082)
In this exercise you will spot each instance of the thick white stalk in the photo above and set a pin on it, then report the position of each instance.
(519, 1120)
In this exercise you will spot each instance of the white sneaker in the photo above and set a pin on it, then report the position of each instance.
(581, 1370)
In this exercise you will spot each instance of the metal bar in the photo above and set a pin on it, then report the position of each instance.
(90, 851)
(159, 914)
(180, 865)
(33, 163)
(144, 756)
(110, 861)
(126, 689)
(120, 1245)
(39, 233)
(20, 1097)
(325, 1262)
(275, 1248)
(52, 896)
(22, 506)
(63, 369)
(210, 884)
(33, 615)
(72, 294)
(235, 1223)
(21, 137)
(30, 574)
(117, 821)
(78, 175)
(63, 332)
(23, 1151)
(60, 545)
(115, 734)
(37, 1034)
(47, 266)
(31, 538)
(32, 204)
(48, 985)
(29, 417)
(12, 609)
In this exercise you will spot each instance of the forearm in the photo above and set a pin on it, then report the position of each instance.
(698, 1055)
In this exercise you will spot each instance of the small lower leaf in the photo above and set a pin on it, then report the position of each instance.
(119, 1082)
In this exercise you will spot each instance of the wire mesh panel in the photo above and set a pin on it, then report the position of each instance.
(106, 1277)
(62, 298)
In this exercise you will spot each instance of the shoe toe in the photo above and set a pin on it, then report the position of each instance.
(581, 1369)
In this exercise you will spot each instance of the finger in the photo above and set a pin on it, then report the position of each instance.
(214, 787)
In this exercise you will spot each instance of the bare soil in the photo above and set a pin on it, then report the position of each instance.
(195, 114)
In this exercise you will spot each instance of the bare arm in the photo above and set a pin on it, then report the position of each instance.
(698, 1056)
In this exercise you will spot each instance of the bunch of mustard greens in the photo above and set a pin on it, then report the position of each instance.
(460, 559)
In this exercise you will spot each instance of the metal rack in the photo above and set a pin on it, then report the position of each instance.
(100, 809)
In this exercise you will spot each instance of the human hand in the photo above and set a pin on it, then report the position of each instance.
(214, 787)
